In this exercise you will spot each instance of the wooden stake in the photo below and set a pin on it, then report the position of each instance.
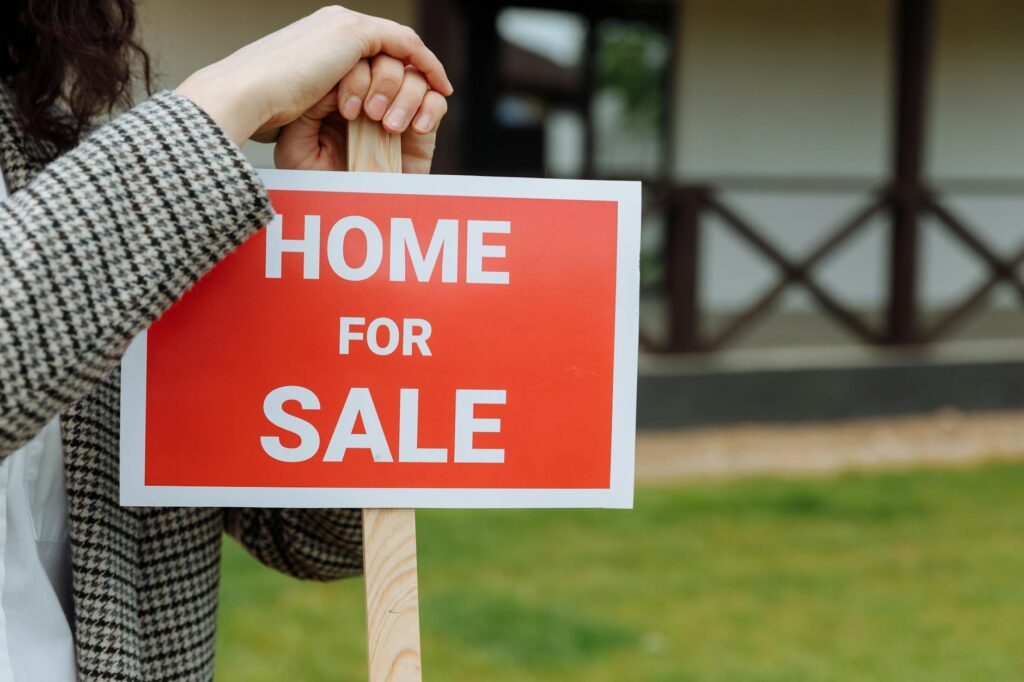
(389, 535)
(373, 149)
(392, 597)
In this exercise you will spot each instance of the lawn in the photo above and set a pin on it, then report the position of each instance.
(893, 576)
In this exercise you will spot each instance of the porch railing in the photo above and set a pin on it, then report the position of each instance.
(689, 206)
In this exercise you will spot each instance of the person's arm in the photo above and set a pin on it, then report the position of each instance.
(309, 544)
(111, 234)
(103, 241)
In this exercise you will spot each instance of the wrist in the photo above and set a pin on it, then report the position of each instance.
(224, 101)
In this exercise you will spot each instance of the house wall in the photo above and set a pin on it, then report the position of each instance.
(762, 86)
(977, 122)
(802, 88)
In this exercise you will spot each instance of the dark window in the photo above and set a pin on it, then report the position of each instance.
(568, 89)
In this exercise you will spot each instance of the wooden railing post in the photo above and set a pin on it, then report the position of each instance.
(681, 269)
(912, 54)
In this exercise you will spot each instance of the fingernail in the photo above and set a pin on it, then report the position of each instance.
(352, 106)
(397, 119)
(376, 107)
(423, 123)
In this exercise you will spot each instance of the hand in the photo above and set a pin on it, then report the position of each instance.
(387, 90)
(271, 82)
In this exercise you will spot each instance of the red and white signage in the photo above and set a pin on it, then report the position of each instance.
(399, 341)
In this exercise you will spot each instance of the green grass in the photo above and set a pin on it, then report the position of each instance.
(898, 576)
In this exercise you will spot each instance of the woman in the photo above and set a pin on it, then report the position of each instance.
(97, 238)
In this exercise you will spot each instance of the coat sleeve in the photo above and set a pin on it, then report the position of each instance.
(310, 544)
(104, 240)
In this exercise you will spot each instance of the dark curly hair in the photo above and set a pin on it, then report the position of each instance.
(67, 62)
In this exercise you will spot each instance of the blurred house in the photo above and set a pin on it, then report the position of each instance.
(834, 190)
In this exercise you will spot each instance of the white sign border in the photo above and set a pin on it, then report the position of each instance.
(619, 494)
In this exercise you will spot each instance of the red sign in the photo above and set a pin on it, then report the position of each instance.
(399, 341)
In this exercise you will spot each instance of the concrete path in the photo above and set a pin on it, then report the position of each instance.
(947, 438)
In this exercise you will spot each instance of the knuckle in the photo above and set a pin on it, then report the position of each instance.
(386, 63)
(415, 81)
(361, 79)
(332, 11)
(359, 72)
(354, 85)
(411, 38)
(387, 81)
(339, 16)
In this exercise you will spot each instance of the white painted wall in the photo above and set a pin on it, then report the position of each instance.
(803, 88)
(977, 124)
(782, 87)
(185, 35)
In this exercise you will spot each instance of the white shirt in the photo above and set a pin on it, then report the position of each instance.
(36, 641)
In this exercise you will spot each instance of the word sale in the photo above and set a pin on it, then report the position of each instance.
(359, 405)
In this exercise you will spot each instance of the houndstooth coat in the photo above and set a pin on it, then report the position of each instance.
(93, 248)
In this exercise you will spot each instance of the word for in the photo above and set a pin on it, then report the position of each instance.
(415, 332)
(403, 247)
(359, 405)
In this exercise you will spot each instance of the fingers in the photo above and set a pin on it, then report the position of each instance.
(386, 77)
(352, 90)
(431, 111)
(402, 43)
(419, 141)
(417, 151)
(407, 101)
(392, 93)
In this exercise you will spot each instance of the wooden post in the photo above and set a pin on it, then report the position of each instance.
(682, 278)
(392, 597)
(389, 535)
(913, 51)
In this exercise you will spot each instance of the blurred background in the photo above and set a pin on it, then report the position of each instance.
(832, 366)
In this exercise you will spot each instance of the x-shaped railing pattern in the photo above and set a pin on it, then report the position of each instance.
(1000, 269)
(689, 204)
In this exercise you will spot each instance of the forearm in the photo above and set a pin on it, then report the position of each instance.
(310, 544)
(102, 242)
